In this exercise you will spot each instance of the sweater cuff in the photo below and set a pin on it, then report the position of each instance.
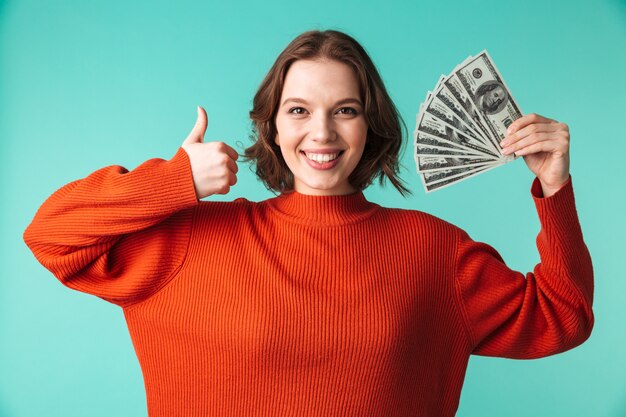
(182, 176)
(559, 208)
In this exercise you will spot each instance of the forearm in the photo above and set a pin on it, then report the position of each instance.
(545, 312)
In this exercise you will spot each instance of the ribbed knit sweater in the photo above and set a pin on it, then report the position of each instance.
(306, 305)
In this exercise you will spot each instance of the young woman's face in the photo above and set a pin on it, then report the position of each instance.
(321, 129)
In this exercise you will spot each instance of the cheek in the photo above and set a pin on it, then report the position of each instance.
(360, 135)
(284, 131)
(288, 136)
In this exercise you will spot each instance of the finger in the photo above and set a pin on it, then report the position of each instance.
(232, 166)
(232, 180)
(197, 133)
(529, 130)
(543, 146)
(224, 190)
(527, 141)
(229, 151)
(526, 120)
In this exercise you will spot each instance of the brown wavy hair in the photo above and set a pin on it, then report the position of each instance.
(385, 125)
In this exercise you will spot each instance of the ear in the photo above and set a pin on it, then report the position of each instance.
(276, 141)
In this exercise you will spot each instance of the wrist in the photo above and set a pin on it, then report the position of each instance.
(550, 189)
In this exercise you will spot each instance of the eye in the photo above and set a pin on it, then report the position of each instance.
(297, 110)
(348, 111)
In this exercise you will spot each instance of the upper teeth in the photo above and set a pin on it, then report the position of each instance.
(322, 157)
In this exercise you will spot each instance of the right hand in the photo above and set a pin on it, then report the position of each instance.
(212, 164)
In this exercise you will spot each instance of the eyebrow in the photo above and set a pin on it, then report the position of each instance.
(342, 101)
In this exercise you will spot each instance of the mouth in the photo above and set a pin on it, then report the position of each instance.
(322, 158)
(322, 161)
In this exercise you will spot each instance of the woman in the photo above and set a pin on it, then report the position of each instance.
(316, 302)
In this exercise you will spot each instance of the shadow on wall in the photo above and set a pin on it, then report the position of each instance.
(3, 5)
(620, 4)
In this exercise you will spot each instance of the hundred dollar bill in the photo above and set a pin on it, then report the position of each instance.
(455, 87)
(442, 141)
(436, 107)
(460, 124)
(445, 182)
(428, 123)
(426, 145)
(434, 177)
(492, 98)
(438, 163)
(448, 99)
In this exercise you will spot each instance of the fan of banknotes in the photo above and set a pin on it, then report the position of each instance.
(461, 122)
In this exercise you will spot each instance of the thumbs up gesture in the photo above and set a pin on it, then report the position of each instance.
(212, 164)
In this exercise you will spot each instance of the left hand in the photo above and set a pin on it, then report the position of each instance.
(544, 144)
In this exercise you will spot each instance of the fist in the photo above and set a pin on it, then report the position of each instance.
(544, 143)
(213, 164)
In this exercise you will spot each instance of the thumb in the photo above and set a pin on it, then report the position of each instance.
(197, 133)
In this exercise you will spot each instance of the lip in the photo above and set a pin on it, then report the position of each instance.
(324, 165)
(323, 151)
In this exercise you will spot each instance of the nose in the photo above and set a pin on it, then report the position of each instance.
(322, 129)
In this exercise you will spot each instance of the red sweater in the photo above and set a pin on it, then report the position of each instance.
(305, 305)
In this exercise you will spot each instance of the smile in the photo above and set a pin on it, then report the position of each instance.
(322, 157)
(322, 161)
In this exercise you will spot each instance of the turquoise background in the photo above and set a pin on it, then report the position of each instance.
(86, 84)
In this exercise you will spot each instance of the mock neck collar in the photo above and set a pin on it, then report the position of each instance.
(323, 210)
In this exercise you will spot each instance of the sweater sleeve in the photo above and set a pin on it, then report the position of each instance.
(118, 234)
(545, 312)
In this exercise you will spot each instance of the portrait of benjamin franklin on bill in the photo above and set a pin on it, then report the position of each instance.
(491, 97)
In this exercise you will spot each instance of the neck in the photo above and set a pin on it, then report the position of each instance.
(323, 210)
